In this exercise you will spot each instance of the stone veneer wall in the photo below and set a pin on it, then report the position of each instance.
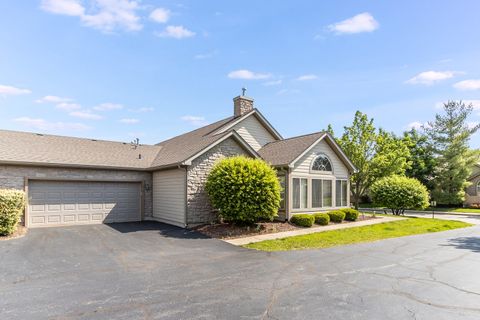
(199, 209)
(471, 196)
(13, 177)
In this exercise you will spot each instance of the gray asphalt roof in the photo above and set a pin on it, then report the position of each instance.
(45, 149)
(283, 152)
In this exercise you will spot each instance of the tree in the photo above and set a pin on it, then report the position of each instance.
(375, 153)
(244, 190)
(449, 135)
(399, 193)
(422, 159)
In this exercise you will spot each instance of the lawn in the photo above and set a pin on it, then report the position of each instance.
(333, 238)
(458, 210)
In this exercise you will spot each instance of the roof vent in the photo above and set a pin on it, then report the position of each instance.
(39, 134)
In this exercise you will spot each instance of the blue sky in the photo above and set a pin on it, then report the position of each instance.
(154, 69)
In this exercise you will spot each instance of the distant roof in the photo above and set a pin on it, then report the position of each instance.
(283, 152)
(45, 149)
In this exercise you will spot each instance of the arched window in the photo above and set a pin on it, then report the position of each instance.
(322, 163)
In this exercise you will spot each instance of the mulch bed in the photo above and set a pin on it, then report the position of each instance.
(232, 231)
(21, 231)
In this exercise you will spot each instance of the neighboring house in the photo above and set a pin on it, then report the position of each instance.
(82, 181)
(472, 195)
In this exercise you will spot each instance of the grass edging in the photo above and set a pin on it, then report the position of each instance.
(387, 230)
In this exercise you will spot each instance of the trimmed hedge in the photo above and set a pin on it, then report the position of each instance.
(322, 218)
(350, 214)
(336, 216)
(399, 193)
(244, 190)
(303, 220)
(12, 203)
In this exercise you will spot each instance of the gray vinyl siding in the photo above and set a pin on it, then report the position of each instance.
(302, 166)
(169, 196)
(253, 132)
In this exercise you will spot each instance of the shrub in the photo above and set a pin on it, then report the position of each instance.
(244, 190)
(11, 208)
(322, 218)
(399, 193)
(303, 220)
(350, 214)
(336, 216)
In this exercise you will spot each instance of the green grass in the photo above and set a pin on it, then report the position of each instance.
(458, 210)
(333, 238)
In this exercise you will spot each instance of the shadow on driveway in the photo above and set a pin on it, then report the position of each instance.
(163, 229)
(466, 243)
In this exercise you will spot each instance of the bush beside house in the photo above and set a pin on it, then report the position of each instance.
(350, 214)
(336, 216)
(322, 218)
(12, 203)
(244, 190)
(303, 220)
(399, 193)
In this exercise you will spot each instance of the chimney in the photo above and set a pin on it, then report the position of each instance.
(242, 104)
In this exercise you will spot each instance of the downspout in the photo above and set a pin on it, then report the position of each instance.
(186, 195)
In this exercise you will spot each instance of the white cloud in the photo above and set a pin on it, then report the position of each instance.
(64, 7)
(142, 110)
(108, 106)
(53, 99)
(273, 83)
(129, 120)
(415, 125)
(208, 55)
(85, 115)
(194, 120)
(44, 125)
(472, 84)
(248, 75)
(363, 22)
(307, 77)
(160, 15)
(67, 106)
(177, 32)
(12, 91)
(104, 15)
(431, 77)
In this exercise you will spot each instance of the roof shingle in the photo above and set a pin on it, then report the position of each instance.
(283, 152)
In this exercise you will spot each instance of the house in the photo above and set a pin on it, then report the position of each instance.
(472, 194)
(85, 181)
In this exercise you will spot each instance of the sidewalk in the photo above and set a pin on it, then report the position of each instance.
(286, 234)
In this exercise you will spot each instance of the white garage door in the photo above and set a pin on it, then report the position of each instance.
(66, 202)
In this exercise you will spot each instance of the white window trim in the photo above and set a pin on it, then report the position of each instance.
(318, 172)
(332, 180)
(341, 193)
(300, 195)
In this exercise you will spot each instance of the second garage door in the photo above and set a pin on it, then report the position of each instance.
(67, 202)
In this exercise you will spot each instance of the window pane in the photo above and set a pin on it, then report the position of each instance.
(296, 193)
(316, 193)
(322, 163)
(338, 193)
(281, 179)
(303, 193)
(327, 193)
(344, 192)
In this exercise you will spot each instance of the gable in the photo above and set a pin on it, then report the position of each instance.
(302, 165)
(254, 132)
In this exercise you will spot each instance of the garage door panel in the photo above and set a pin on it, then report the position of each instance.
(57, 202)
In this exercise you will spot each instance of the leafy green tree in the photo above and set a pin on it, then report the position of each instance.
(422, 159)
(449, 135)
(244, 190)
(375, 153)
(399, 193)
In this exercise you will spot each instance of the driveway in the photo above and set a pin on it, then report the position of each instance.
(153, 271)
